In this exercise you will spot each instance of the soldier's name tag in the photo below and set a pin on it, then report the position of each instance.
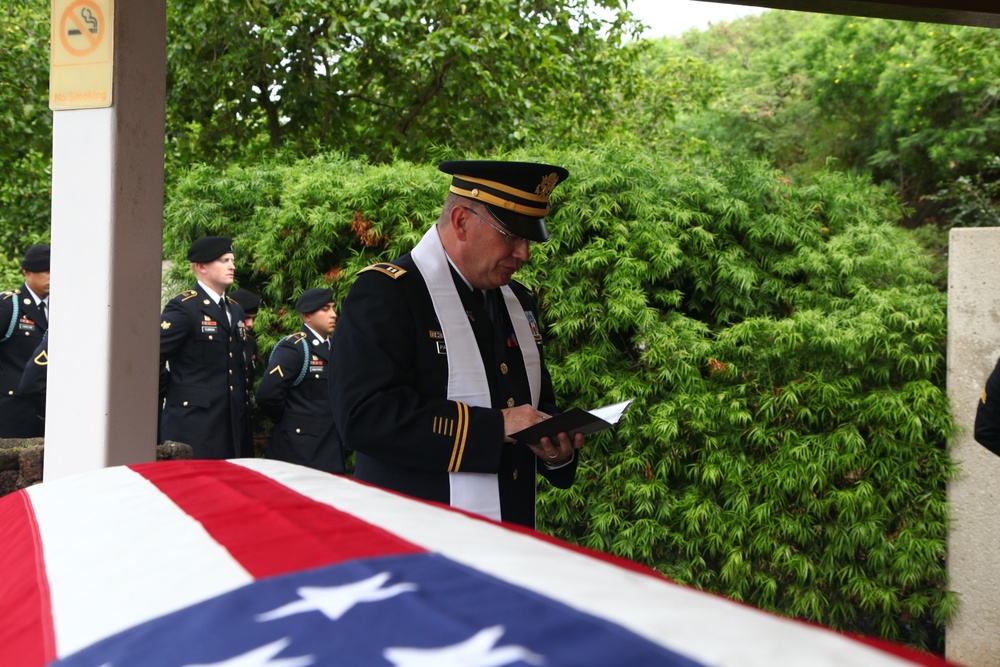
(26, 325)
(317, 366)
(438, 337)
(209, 327)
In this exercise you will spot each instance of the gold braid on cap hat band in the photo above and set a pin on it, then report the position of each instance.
(491, 198)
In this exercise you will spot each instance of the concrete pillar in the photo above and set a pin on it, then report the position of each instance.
(107, 222)
(974, 539)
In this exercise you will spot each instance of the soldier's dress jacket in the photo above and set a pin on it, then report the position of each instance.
(35, 379)
(390, 384)
(18, 418)
(304, 430)
(987, 426)
(203, 379)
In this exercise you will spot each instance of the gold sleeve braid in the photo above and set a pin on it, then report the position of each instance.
(461, 435)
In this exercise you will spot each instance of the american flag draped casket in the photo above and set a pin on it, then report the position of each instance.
(256, 563)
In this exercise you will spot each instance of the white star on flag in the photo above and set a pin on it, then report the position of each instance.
(477, 651)
(262, 657)
(335, 601)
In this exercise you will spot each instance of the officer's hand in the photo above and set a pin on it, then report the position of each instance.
(559, 451)
(519, 418)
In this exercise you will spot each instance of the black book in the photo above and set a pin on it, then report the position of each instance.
(572, 422)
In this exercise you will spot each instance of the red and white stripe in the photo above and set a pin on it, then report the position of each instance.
(89, 556)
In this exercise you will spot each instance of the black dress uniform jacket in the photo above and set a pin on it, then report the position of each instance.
(390, 383)
(18, 418)
(987, 427)
(304, 431)
(205, 390)
(35, 379)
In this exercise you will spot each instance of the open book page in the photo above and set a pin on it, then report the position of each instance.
(612, 413)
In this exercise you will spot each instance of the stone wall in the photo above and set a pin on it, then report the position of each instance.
(21, 460)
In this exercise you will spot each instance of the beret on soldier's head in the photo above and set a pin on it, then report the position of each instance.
(515, 193)
(314, 299)
(249, 302)
(36, 259)
(209, 248)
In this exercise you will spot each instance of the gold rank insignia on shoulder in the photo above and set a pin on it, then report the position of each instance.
(390, 270)
(10, 293)
(42, 359)
(295, 337)
(164, 325)
(188, 294)
(277, 369)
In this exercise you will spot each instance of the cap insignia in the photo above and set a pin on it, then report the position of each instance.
(547, 185)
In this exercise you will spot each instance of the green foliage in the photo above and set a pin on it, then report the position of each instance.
(784, 344)
(25, 130)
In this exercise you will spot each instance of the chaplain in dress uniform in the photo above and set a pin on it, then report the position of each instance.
(295, 390)
(203, 368)
(438, 355)
(23, 322)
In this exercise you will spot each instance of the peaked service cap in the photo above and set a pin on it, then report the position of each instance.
(515, 193)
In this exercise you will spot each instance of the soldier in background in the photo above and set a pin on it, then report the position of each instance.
(23, 322)
(35, 379)
(295, 390)
(250, 303)
(203, 368)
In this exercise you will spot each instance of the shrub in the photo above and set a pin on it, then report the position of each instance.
(784, 344)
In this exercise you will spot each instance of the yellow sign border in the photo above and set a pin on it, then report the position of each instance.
(81, 67)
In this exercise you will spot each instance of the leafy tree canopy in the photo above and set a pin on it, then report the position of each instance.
(916, 104)
(25, 130)
(783, 342)
(388, 77)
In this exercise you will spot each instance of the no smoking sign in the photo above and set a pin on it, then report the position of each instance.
(80, 75)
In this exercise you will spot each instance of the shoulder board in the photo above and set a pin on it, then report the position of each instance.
(295, 337)
(187, 294)
(390, 270)
(10, 293)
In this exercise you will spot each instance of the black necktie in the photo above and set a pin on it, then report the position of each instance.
(44, 318)
(489, 299)
(484, 301)
(225, 309)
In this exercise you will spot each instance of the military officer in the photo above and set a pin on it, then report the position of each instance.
(23, 322)
(438, 359)
(203, 368)
(295, 390)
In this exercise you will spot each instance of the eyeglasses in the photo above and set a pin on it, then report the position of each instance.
(511, 239)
